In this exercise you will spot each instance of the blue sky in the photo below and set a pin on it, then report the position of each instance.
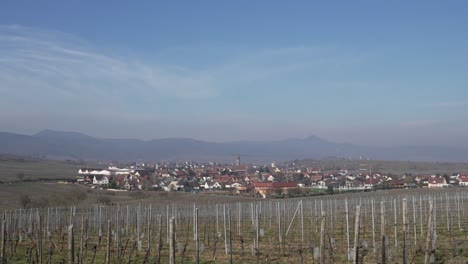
(364, 72)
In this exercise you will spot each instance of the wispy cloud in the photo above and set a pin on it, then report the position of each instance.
(46, 72)
(66, 71)
(48, 61)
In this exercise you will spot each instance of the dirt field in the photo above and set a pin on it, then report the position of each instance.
(17, 169)
(393, 167)
(61, 194)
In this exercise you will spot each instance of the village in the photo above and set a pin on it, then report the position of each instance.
(286, 180)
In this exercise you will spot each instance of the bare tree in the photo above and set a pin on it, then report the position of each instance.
(25, 200)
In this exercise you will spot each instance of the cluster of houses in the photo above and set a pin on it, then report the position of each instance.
(118, 178)
(248, 179)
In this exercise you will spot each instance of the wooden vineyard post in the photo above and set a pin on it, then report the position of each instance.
(433, 232)
(404, 230)
(230, 236)
(252, 213)
(395, 222)
(420, 216)
(414, 224)
(302, 223)
(217, 219)
(149, 230)
(225, 231)
(458, 210)
(127, 220)
(158, 257)
(428, 237)
(71, 245)
(70, 220)
(3, 237)
(382, 230)
(356, 234)
(239, 218)
(138, 219)
(172, 240)
(194, 222)
(347, 227)
(86, 237)
(316, 216)
(322, 239)
(100, 224)
(278, 213)
(48, 222)
(257, 234)
(39, 236)
(373, 228)
(197, 237)
(447, 200)
(80, 258)
(331, 219)
(117, 232)
(167, 225)
(434, 208)
(108, 246)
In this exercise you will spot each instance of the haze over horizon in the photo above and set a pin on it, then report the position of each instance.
(374, 73)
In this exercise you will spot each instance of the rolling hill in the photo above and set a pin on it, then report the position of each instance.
(72, 145)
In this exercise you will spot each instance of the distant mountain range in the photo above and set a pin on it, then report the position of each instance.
(77, 146)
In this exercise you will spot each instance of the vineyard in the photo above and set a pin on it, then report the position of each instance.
(404, 226)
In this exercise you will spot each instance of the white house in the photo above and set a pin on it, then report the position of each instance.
(321, 185)
(236, 184)
(214, 185)
(217, 185)
(369, 183)
(351, 178)
(94, 172)
(463, 180)
(165, 173)
(436, 182)
(83, 171)
(101, 172)
(100, 180)
(172, 186)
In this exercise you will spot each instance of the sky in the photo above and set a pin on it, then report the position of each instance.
(376, 73)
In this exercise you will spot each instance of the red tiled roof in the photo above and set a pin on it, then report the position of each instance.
(436, 180)
(463, 178)
(275, 184)
(316, 177)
